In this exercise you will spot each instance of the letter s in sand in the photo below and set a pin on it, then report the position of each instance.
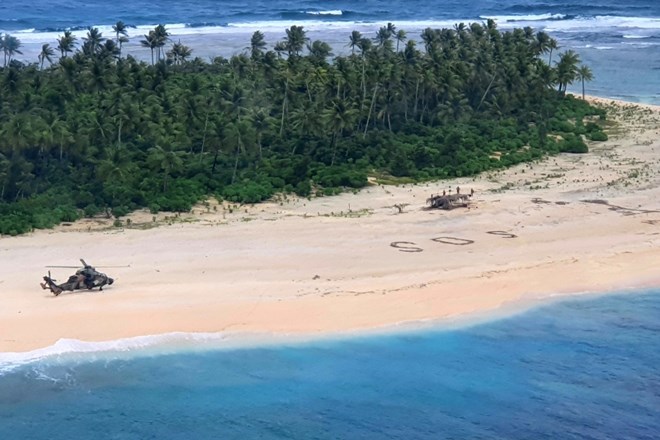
(413, 248)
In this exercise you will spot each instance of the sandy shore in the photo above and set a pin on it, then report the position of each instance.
(568, 225)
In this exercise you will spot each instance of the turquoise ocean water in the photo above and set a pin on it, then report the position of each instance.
(585, 368)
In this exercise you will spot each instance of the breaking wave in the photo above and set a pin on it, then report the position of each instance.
(533, 17)
(72, 350)
(332, 12)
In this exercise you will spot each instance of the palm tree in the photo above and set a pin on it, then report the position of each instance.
(400, 37)
(60, 134)
(391, 29)
(567, 69)
(10, 46)
(584, 73)
(355, 39)
(542, 42)
(179, 53)
(121, 34)
(166, 159)
(552, 45)
(295, 40)
(261, 123)
(382, 36)
(150, 41)
(66, 43)
(5, 169)
(120, 29)
(46, 54)
(338, 118)
(162, 37)
(3, 47)
(430, 39)
(92, 42)
(115, 170)
(236, 135)
(319, 51)
(257, 45)
(109, 49)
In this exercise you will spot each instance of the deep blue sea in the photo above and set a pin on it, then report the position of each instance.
(619, 40)
(581, 368)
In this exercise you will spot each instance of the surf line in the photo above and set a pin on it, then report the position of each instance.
(409, 246)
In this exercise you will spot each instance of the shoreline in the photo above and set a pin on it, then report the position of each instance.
(312, 268)
(180, 342)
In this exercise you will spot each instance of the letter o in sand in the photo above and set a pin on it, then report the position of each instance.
(453, 240)
(503, 234)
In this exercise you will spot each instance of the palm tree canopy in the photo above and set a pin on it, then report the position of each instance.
(120, 28)
(257, 42)
(244, 127)
(10, 46)
(46, 54)
(584, 73)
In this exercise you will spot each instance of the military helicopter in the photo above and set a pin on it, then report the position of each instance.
(86, 277)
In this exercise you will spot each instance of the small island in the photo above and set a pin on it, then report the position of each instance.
(96, 132)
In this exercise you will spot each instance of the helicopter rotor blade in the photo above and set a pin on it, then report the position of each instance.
(77, 267)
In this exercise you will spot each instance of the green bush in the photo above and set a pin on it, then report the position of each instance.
(120, 211)
(91, 210)
(303, 188)
(573, 144)
(598, 136)
(247, 192)
(338, 176)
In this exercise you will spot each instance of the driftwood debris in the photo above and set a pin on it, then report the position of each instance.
(449, 201)
(400, 206)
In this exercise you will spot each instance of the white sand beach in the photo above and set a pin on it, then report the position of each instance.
(568, 225)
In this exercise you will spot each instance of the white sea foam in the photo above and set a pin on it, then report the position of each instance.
(516, 18)
(640, 44)
(637, 36)
(72, 350)
(548, 22)
(602, 24)
(68, 348)
(332, 12)
(591, 46)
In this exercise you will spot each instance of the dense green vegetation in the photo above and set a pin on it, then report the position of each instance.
(100, 132)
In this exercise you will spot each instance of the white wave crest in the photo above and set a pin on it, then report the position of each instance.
(591, 46)
(67, 348)
(75, 350)
(630, 27)
(603, 24)
(331, 12)
(514, 18)
(635, 37)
